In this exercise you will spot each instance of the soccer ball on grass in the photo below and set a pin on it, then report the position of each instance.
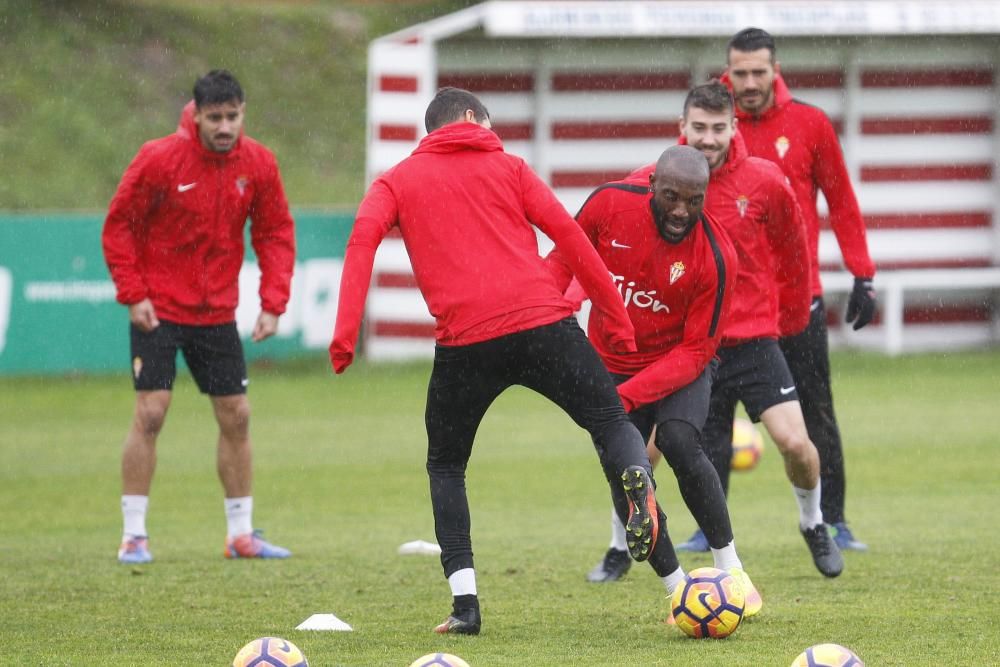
(708, 604)
(439, 660)
(828, 655)
(270, 652)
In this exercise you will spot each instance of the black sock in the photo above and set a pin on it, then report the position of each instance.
(462, 603)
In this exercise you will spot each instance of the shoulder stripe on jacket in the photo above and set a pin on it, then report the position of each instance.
(635, 189)
(720, 267)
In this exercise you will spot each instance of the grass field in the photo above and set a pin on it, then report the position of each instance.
(340, 480)
(85, 83)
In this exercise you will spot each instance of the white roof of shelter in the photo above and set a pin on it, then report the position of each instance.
(652, 18)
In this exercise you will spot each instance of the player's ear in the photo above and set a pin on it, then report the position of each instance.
(777, 67)
(680, 125)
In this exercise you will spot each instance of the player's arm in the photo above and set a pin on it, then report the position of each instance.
(703, 326)
(590, 218)
(847, 223)
(377, 214)
(848, 226)
(544, 210)
(786, 235)
(130, 207)
(272, 234)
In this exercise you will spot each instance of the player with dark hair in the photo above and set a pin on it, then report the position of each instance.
(675, 268)
(173, 241)
(467, 213)
(800, 139)
(755, 206)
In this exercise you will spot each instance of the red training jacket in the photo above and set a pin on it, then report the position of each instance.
(801, 140)
(676, 294)
(174, 230)
(753, 203)
(465, 209)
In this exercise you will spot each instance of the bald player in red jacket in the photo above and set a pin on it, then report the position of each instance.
(800, 139)
(675, 268)
(755, 206)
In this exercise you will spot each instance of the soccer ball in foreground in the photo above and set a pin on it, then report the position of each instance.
(439, 660)
(708, 604)
(827, 655)
(270, 652)
(748, 445)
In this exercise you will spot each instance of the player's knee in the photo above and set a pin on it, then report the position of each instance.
(234, 416)
(149, 418)
(797, 446)
(680, 443)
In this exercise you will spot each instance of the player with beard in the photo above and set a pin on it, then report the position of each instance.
(467, 213)
(173, 241)
(755, 206)
(800, 139)
(675, 268)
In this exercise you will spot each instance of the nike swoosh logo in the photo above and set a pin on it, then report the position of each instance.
(787, 390)
(185, 188)
(616, 244)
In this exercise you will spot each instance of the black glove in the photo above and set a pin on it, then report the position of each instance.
(861, 305)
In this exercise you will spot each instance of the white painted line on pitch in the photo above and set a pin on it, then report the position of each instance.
(324, 622)
(419, 547)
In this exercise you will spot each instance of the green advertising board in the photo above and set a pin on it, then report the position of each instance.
(58, 312)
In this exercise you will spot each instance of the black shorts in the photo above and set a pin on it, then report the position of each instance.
(687, 404)
(213, 353)
(756, 374)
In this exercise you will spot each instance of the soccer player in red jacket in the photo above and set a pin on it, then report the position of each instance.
(752, 201)
(467, 212)
(173, 241)
(675, 268)
(800, 139)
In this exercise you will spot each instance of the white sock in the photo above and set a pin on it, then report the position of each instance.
(673, 580)
(726, 558)
(463, 582)
(810, 515)
(617, 532)
(134, 516)
(239, 515)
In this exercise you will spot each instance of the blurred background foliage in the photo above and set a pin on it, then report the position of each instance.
(85, 83)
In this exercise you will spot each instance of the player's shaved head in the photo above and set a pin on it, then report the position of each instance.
(685, 164)
(678, 185)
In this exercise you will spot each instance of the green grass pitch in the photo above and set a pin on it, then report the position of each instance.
(339, 479)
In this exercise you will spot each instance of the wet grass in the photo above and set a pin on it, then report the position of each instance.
(340, 480)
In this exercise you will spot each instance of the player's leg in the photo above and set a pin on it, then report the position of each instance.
(769, 396)
(463, 384)
(215, 356)
(153, 357)
(716, 441)
(809, 361)
(559, 362)
(680, 418)
(617, 561)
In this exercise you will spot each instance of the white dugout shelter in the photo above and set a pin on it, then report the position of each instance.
(587, 91)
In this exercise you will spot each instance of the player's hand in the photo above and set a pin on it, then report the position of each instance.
(266, 326)
(341, 356)
(143, 315)
(861, 305)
